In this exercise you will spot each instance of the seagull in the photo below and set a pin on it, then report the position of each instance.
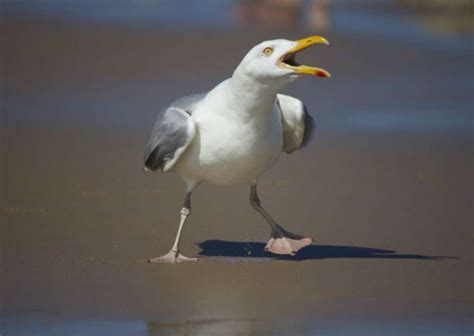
(236, 132)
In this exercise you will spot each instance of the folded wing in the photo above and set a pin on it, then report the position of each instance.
(173, 132)
(298, 126)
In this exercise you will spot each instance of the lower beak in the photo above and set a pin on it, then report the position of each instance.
(304, 69)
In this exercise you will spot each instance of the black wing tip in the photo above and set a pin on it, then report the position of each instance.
(309, 128)
(153, 161)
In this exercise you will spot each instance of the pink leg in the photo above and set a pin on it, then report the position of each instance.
(282, 241)
(173, 256)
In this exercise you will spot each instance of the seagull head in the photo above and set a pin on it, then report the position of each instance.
(275, 61)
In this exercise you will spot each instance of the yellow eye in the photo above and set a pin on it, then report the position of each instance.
(267, 51)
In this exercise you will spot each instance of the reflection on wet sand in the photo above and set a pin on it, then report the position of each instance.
(205, 327)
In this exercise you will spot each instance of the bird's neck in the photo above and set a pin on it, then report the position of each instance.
(252, 97)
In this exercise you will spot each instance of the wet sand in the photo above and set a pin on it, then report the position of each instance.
(389, 206)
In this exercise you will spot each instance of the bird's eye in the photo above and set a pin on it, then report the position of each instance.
(267, 51)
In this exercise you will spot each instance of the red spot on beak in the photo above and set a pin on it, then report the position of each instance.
(321, 74)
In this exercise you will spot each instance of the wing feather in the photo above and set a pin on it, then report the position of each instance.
(297, 124)
(172, 133)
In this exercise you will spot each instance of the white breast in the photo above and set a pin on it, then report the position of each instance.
(228, 149)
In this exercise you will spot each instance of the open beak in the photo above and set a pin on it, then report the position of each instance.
(288, 60)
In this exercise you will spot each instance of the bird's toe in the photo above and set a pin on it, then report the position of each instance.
(172, 257)
(287, 246)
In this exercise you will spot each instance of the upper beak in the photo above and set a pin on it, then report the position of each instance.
(304, 69)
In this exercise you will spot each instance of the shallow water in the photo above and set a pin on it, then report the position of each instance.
(41, 327)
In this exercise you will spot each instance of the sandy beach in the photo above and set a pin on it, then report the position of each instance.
(385, 189)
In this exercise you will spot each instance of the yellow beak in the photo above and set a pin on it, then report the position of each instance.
(304, 69)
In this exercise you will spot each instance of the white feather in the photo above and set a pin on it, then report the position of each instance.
(293, 122)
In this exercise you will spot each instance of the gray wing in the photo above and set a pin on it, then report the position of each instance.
(172, 133)
(297, 124)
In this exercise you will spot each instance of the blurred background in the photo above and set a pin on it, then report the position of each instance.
(390, 170)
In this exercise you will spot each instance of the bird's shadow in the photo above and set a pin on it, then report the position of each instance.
(233, 249)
